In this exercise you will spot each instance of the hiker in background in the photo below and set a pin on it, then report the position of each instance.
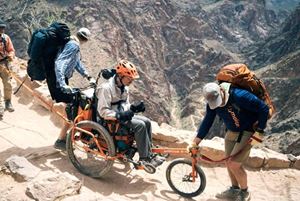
(113, 102)
(244, 115)
(67, 61)
(7, 54)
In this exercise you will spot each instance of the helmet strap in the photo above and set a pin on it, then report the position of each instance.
(118, 79)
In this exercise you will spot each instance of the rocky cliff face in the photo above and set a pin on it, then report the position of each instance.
(280, 55)
(284, 41)
(177, 45)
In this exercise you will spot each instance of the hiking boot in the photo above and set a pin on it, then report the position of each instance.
(230, 193)
(60, 144)
(1, 113)
(160, 158)
(243, 196)
(1, 109)
(152, 161)
(8, 106)
(157, 157)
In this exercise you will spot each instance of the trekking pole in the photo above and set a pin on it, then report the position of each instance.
(17, 90)
(40, 98)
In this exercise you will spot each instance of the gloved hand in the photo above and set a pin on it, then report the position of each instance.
(257, 138)
(67, 89)
(138, 107)
(92, 81)
(192, 146)
(125, 115)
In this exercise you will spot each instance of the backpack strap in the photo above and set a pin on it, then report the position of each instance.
(4, 46)
(4, 42)
(119, 104)
(235, 106)
(239, 137)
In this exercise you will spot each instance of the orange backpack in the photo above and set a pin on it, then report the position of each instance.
(240, 76)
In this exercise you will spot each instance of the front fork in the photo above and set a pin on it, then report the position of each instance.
(194, 163)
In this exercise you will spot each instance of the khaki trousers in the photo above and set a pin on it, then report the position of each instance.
(6, 80)
(232, 146)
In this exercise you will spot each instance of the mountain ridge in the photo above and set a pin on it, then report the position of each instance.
(177, 46)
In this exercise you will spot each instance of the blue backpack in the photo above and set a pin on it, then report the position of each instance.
(44, 44)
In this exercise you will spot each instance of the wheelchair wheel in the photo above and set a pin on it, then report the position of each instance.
(88, 162)
(179, 178)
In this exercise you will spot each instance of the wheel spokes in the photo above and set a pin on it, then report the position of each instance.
(182, 179)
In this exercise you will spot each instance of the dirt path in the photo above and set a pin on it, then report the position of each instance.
(30, 132)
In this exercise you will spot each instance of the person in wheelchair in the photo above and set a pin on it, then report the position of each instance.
(113, 102)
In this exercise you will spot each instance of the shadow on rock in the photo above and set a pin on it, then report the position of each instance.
(119, 180)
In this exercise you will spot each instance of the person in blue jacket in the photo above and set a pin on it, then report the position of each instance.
(243, 114)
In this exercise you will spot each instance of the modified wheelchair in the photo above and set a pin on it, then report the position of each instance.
(93, 143)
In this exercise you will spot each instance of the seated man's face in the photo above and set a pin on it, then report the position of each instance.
(2, 30)
(127, 80)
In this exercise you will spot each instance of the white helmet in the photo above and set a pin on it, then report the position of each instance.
(84, 32)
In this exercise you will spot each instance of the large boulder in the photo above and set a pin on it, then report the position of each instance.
(275, 159)
(297, 163)
(170, 136)
(50, 186)
(21, 168)
(257, 158)
(213, 149)
(42, 97)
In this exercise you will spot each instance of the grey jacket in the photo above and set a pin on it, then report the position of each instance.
(108, 93)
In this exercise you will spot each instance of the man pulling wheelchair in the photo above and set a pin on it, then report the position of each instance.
(113, 102)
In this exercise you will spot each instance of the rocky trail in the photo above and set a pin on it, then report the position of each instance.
(30, 132)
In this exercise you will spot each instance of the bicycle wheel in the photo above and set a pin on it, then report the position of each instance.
(87, 162)
(179, 177)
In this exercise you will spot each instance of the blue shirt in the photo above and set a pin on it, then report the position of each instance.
(243, 105)
(67, 62)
